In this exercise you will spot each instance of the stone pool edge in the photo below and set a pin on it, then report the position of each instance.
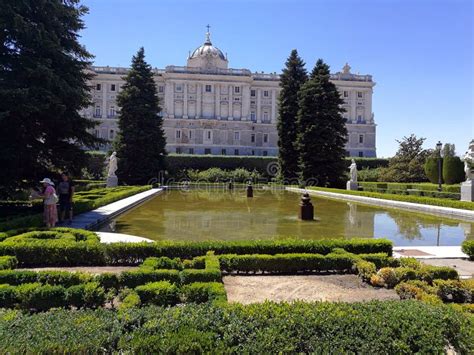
(430, 209)
(92, 219)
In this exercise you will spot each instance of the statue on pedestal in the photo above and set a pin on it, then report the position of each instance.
(467, 187)
(352, 183)
(111, 162)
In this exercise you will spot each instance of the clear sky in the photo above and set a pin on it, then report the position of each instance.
(420, 52)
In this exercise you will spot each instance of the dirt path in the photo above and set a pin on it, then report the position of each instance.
(344, 288)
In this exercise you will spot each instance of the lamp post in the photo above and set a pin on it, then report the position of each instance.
(439, 145)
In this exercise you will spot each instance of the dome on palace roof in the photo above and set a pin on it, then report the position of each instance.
(207, 55)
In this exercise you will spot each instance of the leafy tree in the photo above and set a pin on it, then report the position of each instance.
(43, 86)
(322, 129)
(140, 144)
(293, 76)
(408, 163)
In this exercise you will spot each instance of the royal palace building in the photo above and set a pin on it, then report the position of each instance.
(209, 108)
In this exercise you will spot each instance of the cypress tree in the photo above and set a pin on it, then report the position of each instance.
(322, 130)
(293, 76)
(141, 142)
(43, 86)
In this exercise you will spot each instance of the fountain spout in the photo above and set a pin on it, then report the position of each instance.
(249, 189)
(306, 212)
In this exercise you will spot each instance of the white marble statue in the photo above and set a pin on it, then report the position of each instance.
(353, 170)
(112, 165)
(469, 161)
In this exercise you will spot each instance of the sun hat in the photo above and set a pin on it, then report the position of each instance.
(47, 181)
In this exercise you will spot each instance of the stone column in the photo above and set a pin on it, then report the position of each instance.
(198, 100)
(353, 105)
(169, 98)
(231, 101)
(246, 102)
(259, 109)
(185, 101)
(218, 101)
(104, 100)
(273, 106)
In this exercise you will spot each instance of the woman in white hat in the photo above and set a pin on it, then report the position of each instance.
(50, 200)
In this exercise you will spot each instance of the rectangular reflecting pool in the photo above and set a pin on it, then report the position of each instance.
(196, 215)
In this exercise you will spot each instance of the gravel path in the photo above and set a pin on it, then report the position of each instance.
(344, 288)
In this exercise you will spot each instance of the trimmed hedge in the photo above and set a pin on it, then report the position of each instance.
(388, 327)
(468, 248)
(136, 278)
(200, 292)
(448, 291)
(51, 277)
(8, 262)
(160, 293)
(416, 189)
(409, 198)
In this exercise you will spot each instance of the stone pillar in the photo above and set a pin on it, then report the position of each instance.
(259, 110)
(198, 100)
(185, 101)
(104, 100)
(169, 98)
(353, 105)
(246, 102)
(231, 101)
(273, 106)
(218, 101)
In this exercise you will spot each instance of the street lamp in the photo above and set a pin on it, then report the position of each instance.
(439, 145)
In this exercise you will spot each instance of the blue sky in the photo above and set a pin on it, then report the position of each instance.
(420, 52)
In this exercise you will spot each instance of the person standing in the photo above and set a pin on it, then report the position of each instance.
(50, 199)
(66, 193)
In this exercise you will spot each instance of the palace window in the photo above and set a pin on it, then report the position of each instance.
(265, 117)
(179, 87)
(361, 154)
(97, 111)
(265, 153)
(361, 138)
(161, 89)
(253, 116)
(112, 111)
(178, 134)
(112, 87)
(236, 152)
(178, 150)
(253, 152)
(97, 133)
(98, 87)
(360, 94)
(191, 150)
(208, 135)
(265, 138)
(190, 134)
(237, 89)
(346, 94)
(207, 151)
(224, 152)
(111, 134)
(208, 88)
(265, 93)
(252, 138)
(252, 92)
(237, 136)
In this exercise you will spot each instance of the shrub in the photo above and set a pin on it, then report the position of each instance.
(108, 280)
(429, 273)
(8, 297)
(386, 277)
(160, 293)
(431, 169)
(135, 278)
(40, 297)
(63, 278)
(405, 274)
(199, 292)
(455, 291)
(211, 272)
(453, 170)
(365, 269)
(410, 263)
(408, 291)
(8, 262)
(162, 263)
(90, 295)
(131, 300)
(468, 248)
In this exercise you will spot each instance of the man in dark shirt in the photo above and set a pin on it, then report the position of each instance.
(65, 193)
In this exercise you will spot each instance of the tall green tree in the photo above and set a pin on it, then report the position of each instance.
(293, 76)
(140, 144)
(408, 163)
(322, 131)
(43, 86)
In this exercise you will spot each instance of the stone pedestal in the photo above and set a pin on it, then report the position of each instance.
(352, 186)
(112, 181)
(306, 212)
(467, 191)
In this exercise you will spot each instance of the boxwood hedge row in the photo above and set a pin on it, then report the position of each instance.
(468, 248)
(370, 328)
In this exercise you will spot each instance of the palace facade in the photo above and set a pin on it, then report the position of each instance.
(209, 108)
